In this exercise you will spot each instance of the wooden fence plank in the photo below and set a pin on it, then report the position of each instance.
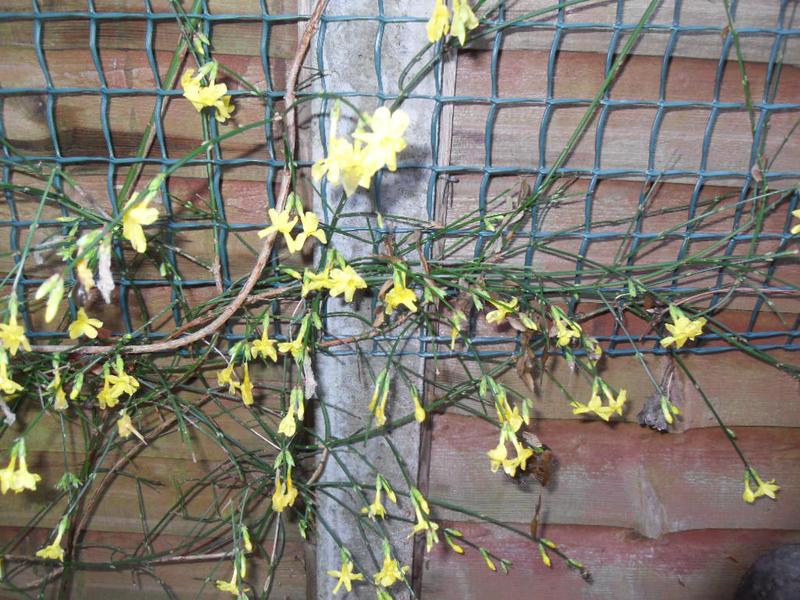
(184, 579)
(705, 44)
(694, 565)
(734, 383)
(622, 475)
(524, 74)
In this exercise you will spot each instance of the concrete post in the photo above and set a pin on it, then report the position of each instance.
(348, 63)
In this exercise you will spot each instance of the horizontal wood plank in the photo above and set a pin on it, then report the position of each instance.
(734, 383)
(621, 475)
(694, 565)
(184, 579)
(578, 35)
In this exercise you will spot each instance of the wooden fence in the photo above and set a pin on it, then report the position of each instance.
(652, 515)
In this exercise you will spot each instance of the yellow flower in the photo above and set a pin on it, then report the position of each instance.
(296, 348)
(455, 327)
(498, 455)
(616, 404)
(452, 543)
(682, 329)
(503, 310)
(566, 329)
(429, 527)
(376, 509)
(520, 461)
(60, 402)
(84, 273)
(122, 383)
(13, 336)
(288, 425)
(463, 19)
(283, 496)
(391, 571)
(386, 138)
(346, 576)
(596, 406)
(53, 288)
(400, 294)
(7, 474)
(264, 347)
(313, 282)
(125, 427)
(346, 281)
(545, 557)
(23, 479)
(106, 397)
(281, 223)
(137, 213)
(505, 413)
(766, 488)
(54, 551)
(796, 228)
(246, 388)
(211, 95)
(232, 586)
(381, 391)
(346, 163)
(7, 385)
(310, 223)
(84, 325)
(439, 23)
(419, 410)
(748, 494)
(228, 377)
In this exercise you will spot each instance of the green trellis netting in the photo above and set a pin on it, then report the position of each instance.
(555, 26)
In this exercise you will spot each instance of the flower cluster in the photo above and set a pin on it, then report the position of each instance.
(464, 20)
(211, 95)
(353, 164)
(340, 280)
(424, 522)
(377, 510)
(285, 493)
(116, 384)
(511, 420)
(15, 476)
(595, 405)
(764, 488)
(284, 222)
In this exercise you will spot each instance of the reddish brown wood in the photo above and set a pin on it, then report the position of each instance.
(623, 475)
(694, 565)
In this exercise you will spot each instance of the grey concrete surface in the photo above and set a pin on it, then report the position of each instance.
(345, 382)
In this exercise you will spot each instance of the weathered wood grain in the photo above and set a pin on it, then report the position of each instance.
(614, 204)
(734, 383)
(78, 117)
(704, 44)
(694, 565)
(524, 74)
(626, 141)
(235, 37)
(184, 579)
(622, 476)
